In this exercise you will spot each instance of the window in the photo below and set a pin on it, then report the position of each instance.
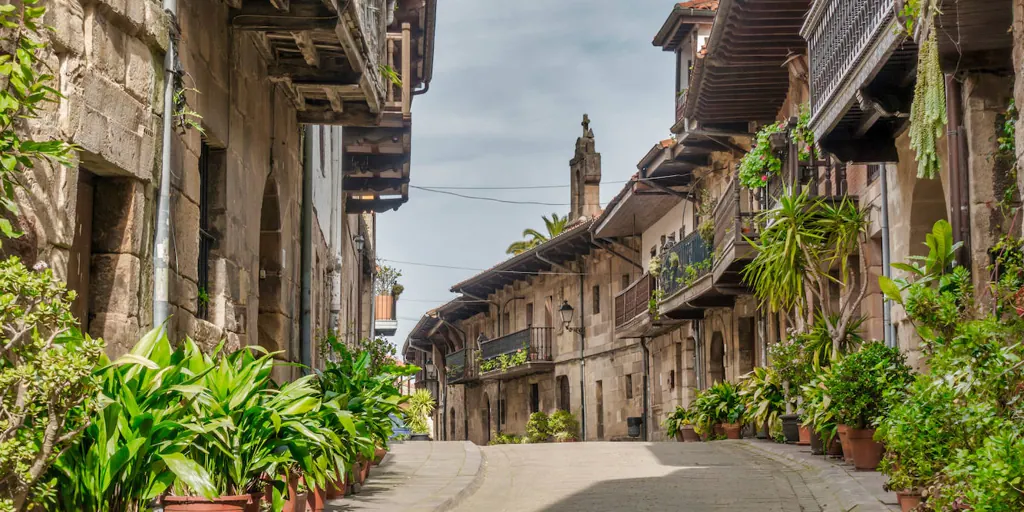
(625, 281)
(205, 238)
(529, 314)
(597, 299)
(671, 379)
(874, 170)
(629, 387)
(534, 398)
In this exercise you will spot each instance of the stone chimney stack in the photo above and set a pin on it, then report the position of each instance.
(586, 176)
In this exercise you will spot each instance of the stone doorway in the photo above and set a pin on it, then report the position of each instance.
(717, 366)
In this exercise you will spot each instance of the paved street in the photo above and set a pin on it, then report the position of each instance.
(694, 477)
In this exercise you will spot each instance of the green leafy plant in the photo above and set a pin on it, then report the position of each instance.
(389, 73)
(381, 352)
(819, 409)
(1006, 138)
(928, 110)
(721, 403)
(554, 227)
(817, 342)
(420, 407)
(385, 280)
(505, 362)
(764, 395)
(761, 162)
(503, 438)
(47, 388)
(538, 427)
(866, 384)
(184, 117)
(791, 364)
(203, 296)
(802, 136)
(675, 421)
(564, 426)
(706, 205)
(657, 295)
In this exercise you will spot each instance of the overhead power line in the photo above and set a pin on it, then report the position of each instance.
(535, 187)
(432, 265)
(492, 199)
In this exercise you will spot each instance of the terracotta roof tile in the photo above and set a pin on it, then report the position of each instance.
(707, 5)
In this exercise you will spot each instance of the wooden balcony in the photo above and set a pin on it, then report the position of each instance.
(686, 281)
(460, 366)
(861, 77)
(537, 342)
(632, 304)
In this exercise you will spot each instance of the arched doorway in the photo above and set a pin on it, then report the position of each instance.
(716, 366)
(273, 327)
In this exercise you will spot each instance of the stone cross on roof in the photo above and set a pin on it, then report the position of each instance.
(587, 132)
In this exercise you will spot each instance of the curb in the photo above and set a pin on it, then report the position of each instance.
(832, 486)
(473, 455)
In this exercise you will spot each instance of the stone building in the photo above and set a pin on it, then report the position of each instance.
(242, 227)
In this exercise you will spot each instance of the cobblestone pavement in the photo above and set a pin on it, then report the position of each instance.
(694, 477)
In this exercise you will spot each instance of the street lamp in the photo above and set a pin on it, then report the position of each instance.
(360, 243)
(566, 311)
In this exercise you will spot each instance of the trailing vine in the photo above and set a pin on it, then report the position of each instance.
(802, 136)
(652, 305)
(761, 163)
(1007, 140)
(706, 205)
(928, 112)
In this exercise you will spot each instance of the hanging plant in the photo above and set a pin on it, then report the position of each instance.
(761, 163)
(802, 136)
(928, 112)
(654, 267)
(706, 212)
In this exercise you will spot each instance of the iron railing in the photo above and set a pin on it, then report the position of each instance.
(460, 365)
(536, 341)
(838, 34)
(633, 301)
(684, 263)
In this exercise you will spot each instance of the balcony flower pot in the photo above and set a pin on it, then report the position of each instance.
(732, 430)
(239, 503)
(791, 427)
(378, 455)
(845, 441)
(804, 436)
(910, 501)
(814, 439)
(867, 452)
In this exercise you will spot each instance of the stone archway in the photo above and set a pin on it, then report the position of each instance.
(273, 325)
(716, 368)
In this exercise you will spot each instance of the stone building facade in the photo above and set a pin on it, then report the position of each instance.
(235, 245)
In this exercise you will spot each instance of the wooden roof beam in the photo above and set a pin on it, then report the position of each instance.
(266, 17)
(336, 104)
(304, 40)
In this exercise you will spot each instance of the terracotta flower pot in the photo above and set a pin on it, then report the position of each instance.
(835, 448)
(804, 434)
(867, 452)
(844, 440)
(364, 471)
(909, 500)
(316, 500)
(239, 503)
(296, 503)
(732, 430)
(336, 489)
(688, 434)
(378, 455)
(719, 430)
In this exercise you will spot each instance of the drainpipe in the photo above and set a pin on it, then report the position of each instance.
(698, 353)
(305, 284)
(647, 394)
(958, 178)
(161, 243)
(889, 332)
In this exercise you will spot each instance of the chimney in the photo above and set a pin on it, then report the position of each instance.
(586, 176)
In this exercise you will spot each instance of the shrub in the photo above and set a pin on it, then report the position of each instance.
(865, 384)
(46, 381)
(763, 394)
(564, 426)
(421, 406)
(677, 420)
(537, 428)
(503, 438)
(720, 403)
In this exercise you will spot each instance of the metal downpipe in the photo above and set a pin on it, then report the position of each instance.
(888, 331)
(161, 242)
(306, 248)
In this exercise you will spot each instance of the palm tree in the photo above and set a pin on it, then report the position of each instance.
(555, 225)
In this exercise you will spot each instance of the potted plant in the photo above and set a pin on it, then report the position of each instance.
(765, 398)
(420, 406)
(679, 425)
(792, 365)
(864, 385)
(719, 410)
(819, 418)
(538, 428)
(564, 427)
(762, 161)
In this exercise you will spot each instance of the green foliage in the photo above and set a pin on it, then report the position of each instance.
(928, 111)
(203, 297)
(761, 162)
(1006, 137)
(503, 438)
(819, 409)
(184, 117)
(791, 362)
(538, 428)
(817, 342)
(909, 14)
(657, 295)
(420, 407)
(675, 421)
(802, 136)
(706, 205)
(764, 395)
(46, 381)
(382, 354)
(866, 384)
(988, 479)
(25, 93)
(564, 426)
(504, 362)
(555, 225)
(721, 403)
(389, 73)
(385, 280)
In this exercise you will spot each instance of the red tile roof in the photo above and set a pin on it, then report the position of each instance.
(708, 5)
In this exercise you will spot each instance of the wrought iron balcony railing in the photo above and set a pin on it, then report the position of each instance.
(684, 263)
(633, 301)
(460, 366)
(840, 34)
(536, 341)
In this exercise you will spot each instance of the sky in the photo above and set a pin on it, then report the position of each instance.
(511, 83)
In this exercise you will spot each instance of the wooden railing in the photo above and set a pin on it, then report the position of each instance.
(536, 341)
(684, 263)
(398, 97)
(633, 301)
(839, 33)
(736, 215)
